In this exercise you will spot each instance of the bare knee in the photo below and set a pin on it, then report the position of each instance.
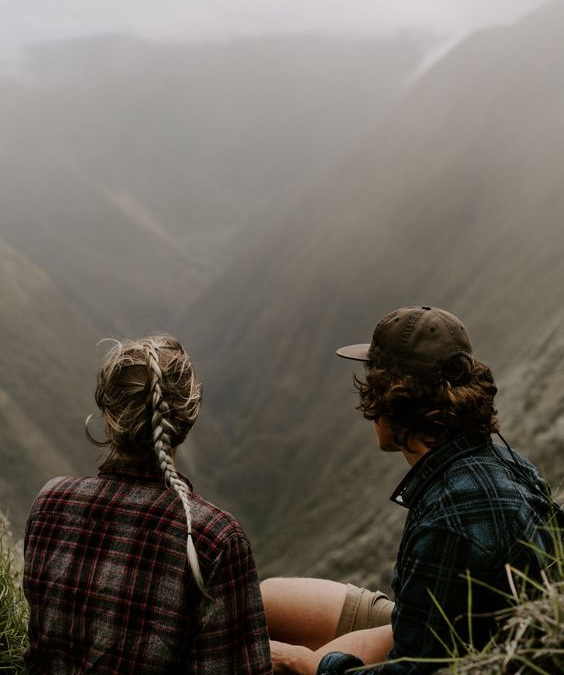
(273, 586)
(278, 601)
(271, 583)
(302, 610)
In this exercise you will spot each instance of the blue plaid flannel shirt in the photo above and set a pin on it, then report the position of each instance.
(472, 505)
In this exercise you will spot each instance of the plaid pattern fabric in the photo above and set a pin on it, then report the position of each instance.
(110, 589)
(471, 504)
(335, 663)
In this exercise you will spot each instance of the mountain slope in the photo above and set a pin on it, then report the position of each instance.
(131, 171)
(130, 175)
(455, 201)
(41, 361)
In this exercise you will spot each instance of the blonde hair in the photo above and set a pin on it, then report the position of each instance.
(149, 397)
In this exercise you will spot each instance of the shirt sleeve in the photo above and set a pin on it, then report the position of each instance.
(231, 635)
(336, 663)
(433, 584)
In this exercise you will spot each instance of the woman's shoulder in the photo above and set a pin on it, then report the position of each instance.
(59, 495)
(59, 486)
(214, 520)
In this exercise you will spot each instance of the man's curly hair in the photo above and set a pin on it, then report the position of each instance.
(463, 400)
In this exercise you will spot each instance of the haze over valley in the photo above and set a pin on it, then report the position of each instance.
(266, 200)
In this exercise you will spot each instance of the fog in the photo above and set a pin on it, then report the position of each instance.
(30, 21)
(265, 199)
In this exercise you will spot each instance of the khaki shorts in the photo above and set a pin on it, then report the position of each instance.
(364, 609)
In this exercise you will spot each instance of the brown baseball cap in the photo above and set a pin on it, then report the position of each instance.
(417, 341)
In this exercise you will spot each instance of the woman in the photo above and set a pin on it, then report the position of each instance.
(132, 571)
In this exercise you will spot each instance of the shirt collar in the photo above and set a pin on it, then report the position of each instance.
(140, 472)
(435, 462)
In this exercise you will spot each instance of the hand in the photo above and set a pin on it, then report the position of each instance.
(293, 659)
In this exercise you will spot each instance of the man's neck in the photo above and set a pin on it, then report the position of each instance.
(417, 449)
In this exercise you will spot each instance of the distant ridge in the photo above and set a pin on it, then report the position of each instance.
(315, 202)
(455, 201)
(41, 361)
(133, 173)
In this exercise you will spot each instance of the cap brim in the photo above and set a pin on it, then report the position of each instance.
(354, 352)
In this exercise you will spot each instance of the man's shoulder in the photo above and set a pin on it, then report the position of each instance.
(490, 474)
(485, 497)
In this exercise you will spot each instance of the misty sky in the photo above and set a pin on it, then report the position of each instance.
(30, 21)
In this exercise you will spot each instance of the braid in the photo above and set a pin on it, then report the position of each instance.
(161, 430)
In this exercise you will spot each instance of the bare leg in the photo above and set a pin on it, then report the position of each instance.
(303, 611)
(371, 645)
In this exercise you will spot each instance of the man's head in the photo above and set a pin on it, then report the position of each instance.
(422, 377)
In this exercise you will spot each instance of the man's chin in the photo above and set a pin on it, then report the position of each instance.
(390, 447)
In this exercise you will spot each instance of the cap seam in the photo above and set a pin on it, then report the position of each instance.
(408, 332)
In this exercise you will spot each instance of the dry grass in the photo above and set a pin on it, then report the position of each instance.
(13, 607)
(531, 640)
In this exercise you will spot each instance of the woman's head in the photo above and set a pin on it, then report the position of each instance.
(147, 387)
(149, 398)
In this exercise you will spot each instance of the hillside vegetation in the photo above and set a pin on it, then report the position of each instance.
(13, 607)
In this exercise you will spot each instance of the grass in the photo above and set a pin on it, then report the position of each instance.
(531, 639)
(530, 642)
(13, 607)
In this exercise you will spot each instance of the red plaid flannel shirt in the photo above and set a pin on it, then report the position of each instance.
(110, 590)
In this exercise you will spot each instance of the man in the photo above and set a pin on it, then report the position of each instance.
(474, 508)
